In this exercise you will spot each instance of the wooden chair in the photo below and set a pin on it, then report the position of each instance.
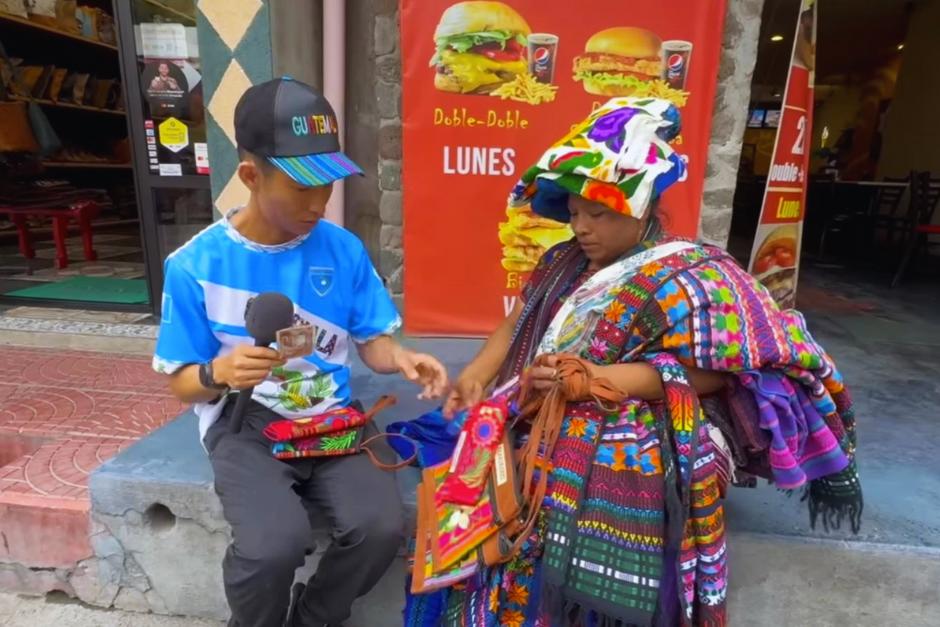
(846, 212)
(925, 194)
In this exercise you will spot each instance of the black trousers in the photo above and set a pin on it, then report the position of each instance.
(269, 504)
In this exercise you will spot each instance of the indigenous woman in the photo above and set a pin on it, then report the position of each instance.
(711, 381)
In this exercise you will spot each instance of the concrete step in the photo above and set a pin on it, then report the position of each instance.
(162, 534)
(106, 332)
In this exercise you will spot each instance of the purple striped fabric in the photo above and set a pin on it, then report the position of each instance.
(803, 447)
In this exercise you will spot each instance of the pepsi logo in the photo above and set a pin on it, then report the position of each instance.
(541, 54)
(675, 61)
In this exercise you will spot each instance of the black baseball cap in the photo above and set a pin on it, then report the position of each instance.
(292, 125)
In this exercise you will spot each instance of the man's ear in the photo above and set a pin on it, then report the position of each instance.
(250, 174)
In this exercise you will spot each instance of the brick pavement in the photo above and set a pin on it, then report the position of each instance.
(62, 414)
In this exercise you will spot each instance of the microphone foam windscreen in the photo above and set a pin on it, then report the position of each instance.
(269, 313)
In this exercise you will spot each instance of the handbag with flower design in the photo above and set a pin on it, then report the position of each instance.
(469, 507)
(454, 540)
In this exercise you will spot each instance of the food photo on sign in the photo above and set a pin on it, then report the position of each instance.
(487, 86)
(488, 48)
(630, 61)
(776, 257)
(480, 46)
(526, 236)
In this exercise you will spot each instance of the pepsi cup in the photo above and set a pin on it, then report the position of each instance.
(543, 49)
(676, 57)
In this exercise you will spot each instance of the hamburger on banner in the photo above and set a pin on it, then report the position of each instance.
(619, 61)
(480, 46)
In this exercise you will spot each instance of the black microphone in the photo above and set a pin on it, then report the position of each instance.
(267, 314)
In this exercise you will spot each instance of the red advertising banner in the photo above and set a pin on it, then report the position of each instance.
(775, 257)
(487, 87)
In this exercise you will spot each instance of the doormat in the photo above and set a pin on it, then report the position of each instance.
(90, 289)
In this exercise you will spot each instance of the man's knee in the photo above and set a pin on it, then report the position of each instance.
(277, 547)
(379, 530)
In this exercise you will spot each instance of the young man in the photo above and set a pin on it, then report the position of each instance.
(287, 137)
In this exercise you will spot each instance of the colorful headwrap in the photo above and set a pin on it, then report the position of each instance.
(619, 156)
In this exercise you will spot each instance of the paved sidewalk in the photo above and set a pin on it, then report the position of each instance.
(380, 608)
(16, 611)
(62, 414)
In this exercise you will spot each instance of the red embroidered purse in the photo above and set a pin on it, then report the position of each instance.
(336, 432)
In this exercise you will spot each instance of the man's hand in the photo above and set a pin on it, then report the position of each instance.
(467, 392)
(246, 366)
(423, 370)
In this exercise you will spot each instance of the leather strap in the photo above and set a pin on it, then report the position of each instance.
(383, 403)
(574, 383)
(382, 465)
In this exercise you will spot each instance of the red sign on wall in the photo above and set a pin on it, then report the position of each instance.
(487, 87)
(775, 257)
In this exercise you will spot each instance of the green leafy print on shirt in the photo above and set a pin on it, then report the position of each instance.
(298, 391)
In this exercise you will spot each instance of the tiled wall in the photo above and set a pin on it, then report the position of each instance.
(235, 42)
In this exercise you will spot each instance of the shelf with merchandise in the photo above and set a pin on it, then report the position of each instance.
(13, 19)
(70, 105)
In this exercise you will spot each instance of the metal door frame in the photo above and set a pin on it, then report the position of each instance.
(145, 181)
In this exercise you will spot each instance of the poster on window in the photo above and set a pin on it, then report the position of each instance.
(163, 40)
(171, 82)
(165, 87)
(775, 256)
(487, 87)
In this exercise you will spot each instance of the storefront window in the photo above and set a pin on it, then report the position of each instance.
(181, 213)
(171, 87)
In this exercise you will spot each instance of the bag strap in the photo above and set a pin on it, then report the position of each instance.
(382, 465)
(385, 401)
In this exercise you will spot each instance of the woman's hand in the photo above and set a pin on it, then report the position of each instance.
(467, 392)
(479, 373)
(545, 375)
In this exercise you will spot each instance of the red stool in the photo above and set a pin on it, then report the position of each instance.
(83, 212)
